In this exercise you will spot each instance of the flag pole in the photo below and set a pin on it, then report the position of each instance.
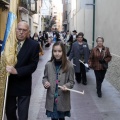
(5, 96)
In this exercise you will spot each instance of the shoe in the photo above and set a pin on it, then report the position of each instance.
(84, 83)
(99, 94)
(78, 81)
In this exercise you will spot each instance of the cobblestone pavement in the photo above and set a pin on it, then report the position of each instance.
(84, 107)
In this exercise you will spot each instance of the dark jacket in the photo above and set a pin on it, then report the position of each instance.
(27, 60)
(70, 41)
(75, 55)
(0, 46)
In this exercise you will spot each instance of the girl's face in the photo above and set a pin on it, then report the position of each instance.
(99, 42)
(57, 52)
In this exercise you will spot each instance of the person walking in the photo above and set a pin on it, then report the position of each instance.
(80, 52)
(58, 72)
(37, 38)
(20, 79)
(74, 35)
(68, 41)
(98, 60)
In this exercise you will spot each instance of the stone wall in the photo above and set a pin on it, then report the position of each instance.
(113, 73)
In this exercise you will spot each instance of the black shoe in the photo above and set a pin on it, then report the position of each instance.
(99, 94)
(84, 83)
(78, 82)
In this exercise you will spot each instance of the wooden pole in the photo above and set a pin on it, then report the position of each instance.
(5, 96)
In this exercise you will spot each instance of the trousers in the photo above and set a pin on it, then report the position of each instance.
(20, 103)
(81, 75)
(59, 119)
(100, 75)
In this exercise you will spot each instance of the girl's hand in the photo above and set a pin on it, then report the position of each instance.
(64, 88)
(47, 85)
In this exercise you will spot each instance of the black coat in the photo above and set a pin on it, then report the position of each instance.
(0, 46)
(75, 55)
(70, 39)
(27, 60)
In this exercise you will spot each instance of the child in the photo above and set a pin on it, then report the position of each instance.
(58, 72)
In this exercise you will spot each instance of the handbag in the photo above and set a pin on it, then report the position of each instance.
(104, 63)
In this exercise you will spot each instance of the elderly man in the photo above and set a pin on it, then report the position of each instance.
(20, 79)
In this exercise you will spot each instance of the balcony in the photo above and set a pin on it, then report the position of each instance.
(25, 4)
(29, 5)
(4, 3)
(33, 6)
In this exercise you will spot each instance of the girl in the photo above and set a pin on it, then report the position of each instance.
(58, 72)
(100, 56)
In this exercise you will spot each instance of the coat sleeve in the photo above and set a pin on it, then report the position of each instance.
(45, 77)
(71, 73)
(108, 56)
(31, 67)
(71, 53)
(87, 53)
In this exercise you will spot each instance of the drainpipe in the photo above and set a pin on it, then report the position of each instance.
(93, 24)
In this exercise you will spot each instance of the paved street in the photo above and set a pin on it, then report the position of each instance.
(84, 107)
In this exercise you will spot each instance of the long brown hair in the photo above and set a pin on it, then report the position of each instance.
(64, 57)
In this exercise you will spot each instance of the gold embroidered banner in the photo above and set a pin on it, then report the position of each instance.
(8, 56)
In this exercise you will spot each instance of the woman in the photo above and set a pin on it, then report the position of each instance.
(58, 72)
(36, 37)
(68, 41)
(80, 51)
(98, 60)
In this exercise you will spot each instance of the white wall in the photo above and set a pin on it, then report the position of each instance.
(108, 23)
(83, 19)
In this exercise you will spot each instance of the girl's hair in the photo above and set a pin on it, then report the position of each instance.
(64, 58)
(100, 38)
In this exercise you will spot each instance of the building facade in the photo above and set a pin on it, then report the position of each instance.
(29, 11)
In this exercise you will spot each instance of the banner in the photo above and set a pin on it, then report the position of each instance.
(8, 55)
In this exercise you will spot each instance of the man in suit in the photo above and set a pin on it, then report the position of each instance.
(80, 51)
(20, 79)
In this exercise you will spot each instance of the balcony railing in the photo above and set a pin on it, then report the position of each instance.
(27, 4)
(24, 3)
(3, 4)
(6, 1)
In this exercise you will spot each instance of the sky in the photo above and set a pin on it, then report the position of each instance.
(58, 4)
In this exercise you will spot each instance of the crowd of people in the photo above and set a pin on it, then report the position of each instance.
(59, 73)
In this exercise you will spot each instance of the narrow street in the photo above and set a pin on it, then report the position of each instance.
(84, 107)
